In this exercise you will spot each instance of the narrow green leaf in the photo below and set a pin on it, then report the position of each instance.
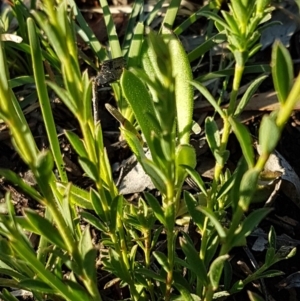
(97, 204)
(237, 286)
(286, 110)
(157, 176)
(213, 245)
(85, 243)
(206, 46)
(162, 151)
(240, 13)
(216, 269)
(207, 95)
(125, 123)
(282, 71)
(89, 168)
(12, 177)
(139, 99)
(78, 196)
(11, 212)
(119, 269)
(272, 237)
(226, 187)
(66, 208)
(7, 296)
(94, 221)
(52, 36)
(221, 156)
(44, 165)
(77, 290)
(10, 272)
(230, 20)
(230, 71)
(153, 13)
(190, 20)
(239, 172)
(197, 178)
(267, 130)
(132, 255)
(185, 156)
(44, 227)
(156, 235)
(216, 18)
(251, 221)
(270, 256)
(256, 47)
(248, 188)
(141, 280)
(192, 296)
(228, 273)
(195, 263)
(170, 15)
(184, 94)
(89, 264)
(111, 30)
(156, 207)
(45, 106)
(37, 285)
(6, 248)
(285, 252)
(183, 286)
(135, 46)
(244, 139)
(86, 33)
(193, 209)
(65, 97)
(214, 219)
(248, 94)
(270, 274)
(134, 143)
(115, 207)
(150, 65)
(77, 144)
(212, 134)
(162, 260)
(151, 274)
(133, 37)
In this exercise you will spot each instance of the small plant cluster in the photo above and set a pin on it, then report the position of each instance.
(155, 109)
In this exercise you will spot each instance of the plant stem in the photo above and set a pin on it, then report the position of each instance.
(171, 251)
(202, 253)
(204, 239)
(92, 288)
(225, 136)
(147, 252)
(209, 294)
(122, 239)
(238, 72)
(87, 138)
(170, 202)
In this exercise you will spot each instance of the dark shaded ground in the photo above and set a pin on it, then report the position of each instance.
(289, 147)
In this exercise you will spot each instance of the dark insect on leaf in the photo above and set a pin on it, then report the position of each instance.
(110, 71)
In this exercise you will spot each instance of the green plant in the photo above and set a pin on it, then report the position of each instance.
(155, 102)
